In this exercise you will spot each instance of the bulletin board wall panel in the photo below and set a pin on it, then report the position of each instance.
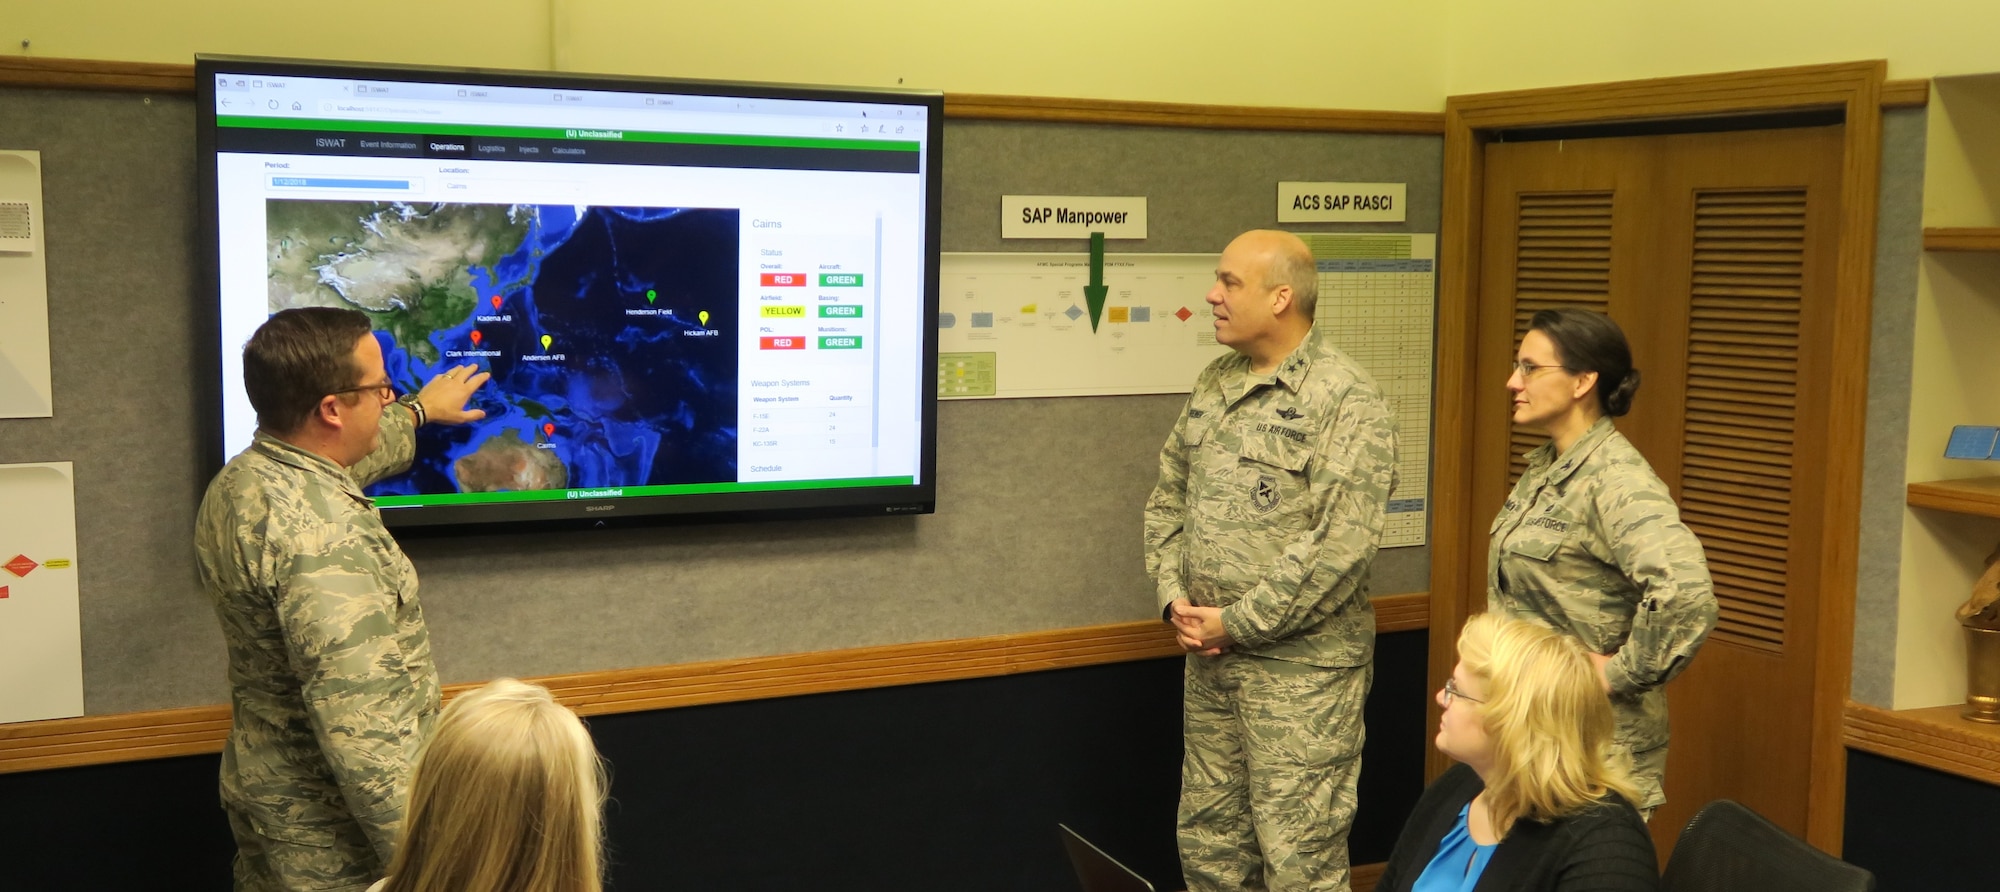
(1038, 523)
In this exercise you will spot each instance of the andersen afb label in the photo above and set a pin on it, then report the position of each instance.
(1072, 216)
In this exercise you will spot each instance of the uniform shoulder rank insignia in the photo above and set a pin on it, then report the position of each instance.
(1197, 413)
(1289, 414)
(1264, 496)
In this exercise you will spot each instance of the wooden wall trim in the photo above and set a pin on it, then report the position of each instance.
(1856, 88)
(94, 74)
(95, 740)
(974, 106)
(1846, 446)
(1906, 94)
(1690, 96)
(1933, 738)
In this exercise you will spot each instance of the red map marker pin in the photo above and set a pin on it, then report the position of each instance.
(496, 301)
(475, 337)
(549, 429)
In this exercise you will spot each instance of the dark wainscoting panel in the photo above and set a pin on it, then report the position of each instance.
(946, 786)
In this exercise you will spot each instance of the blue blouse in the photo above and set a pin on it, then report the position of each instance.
(1459, 861)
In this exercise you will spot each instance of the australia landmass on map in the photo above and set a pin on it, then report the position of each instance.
(610, 332)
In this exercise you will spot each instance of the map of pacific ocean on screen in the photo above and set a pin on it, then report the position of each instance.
(610, 332)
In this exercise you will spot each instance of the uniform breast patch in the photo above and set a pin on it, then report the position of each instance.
(1290, 414)
(1296, 436)
(1264, 496)
(1547, 522)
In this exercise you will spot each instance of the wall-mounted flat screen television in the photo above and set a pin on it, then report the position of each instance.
(697, 299)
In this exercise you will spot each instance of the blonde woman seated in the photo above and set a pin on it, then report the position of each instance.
(1537, 802)
(508, 797)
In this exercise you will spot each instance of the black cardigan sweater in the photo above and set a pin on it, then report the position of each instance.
(1604, 848)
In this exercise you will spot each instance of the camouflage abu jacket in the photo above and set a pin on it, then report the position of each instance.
(1270, 504)
(1591, 544)
(331, 684)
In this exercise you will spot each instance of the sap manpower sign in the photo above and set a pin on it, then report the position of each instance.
(1072, 216)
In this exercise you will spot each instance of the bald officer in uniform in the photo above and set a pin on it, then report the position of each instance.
(1259, 535)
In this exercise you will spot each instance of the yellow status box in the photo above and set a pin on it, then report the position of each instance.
(784, 311)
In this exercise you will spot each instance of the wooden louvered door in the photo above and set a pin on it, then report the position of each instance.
(1714, 252)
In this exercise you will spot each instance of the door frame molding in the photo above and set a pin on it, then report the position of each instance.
(1457, 583)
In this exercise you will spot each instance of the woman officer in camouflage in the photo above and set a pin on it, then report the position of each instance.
(1590, 543)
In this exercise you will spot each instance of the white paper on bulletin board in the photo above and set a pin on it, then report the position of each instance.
(24, 290)
(41, 641)
(1017, 325)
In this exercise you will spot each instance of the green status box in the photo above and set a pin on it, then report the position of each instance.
(840, 280)
(839, 342)
(839, 311)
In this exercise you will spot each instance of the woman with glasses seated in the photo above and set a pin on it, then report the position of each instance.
(1590, 542)
(1541, 799)
(508, 797)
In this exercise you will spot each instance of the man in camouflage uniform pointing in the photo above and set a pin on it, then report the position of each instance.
(1259, 536)
(332, 690)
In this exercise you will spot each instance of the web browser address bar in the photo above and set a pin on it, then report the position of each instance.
(330, 107)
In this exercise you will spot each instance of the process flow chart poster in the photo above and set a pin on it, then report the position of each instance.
(41, 641)
(1025, 325)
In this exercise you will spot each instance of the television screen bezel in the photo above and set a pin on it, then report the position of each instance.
(583, 513)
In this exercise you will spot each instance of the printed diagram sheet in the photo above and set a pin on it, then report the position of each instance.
(1377, 300)
(1018, 325)
(41, 642)
(24, 290)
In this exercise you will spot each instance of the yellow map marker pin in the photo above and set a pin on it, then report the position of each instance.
(546, 341)
(703, 316)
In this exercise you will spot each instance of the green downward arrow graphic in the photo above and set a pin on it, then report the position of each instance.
(1093, 293)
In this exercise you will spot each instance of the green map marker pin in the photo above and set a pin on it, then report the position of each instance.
(651, 295)
(546, 341)
(1093, 293)
(703, 316)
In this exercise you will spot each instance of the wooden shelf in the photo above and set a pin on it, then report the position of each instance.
(1935, 737)
(1962, 238)
(1972, 495)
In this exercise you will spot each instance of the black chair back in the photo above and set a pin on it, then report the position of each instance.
(1729, 848)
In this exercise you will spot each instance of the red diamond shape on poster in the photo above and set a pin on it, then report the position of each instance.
(1184, 313)
(20, 565)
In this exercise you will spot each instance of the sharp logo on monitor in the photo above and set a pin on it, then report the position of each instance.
(692, 304)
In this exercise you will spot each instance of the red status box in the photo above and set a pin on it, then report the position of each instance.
(783, 280)
(782, 343)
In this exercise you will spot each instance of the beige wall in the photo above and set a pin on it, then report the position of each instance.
(1509, 44)
(1404, 55)
(1254, 52)
(1954, 379)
